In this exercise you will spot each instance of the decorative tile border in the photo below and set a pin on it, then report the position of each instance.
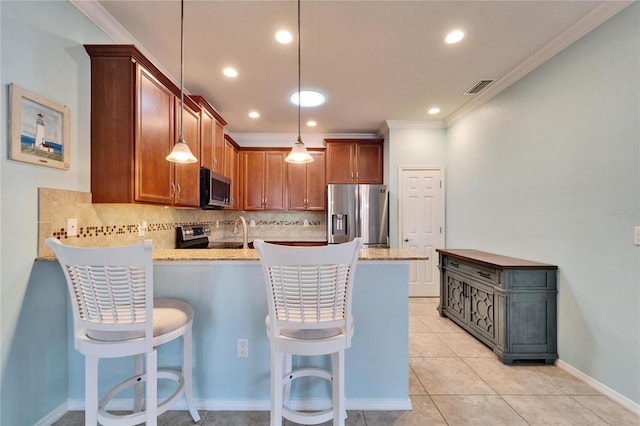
(117, 224)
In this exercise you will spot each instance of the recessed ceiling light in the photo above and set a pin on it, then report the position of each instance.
(311, 123)
(433, 110)
(284, 37)
(310, 98)
(254, 114)
(454, 37)
(230, 72)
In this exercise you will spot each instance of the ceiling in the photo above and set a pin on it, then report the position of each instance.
(374, 60)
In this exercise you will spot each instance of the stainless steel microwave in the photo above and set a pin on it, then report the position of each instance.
(215, 190)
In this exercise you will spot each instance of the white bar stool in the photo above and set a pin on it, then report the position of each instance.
(309, 290)
(115, 315)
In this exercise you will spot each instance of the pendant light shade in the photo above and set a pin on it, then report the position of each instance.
(181, 152)
(299, 152)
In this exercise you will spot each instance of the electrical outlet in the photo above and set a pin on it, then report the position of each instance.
(243, 348)
(252, 223)
(142, 227)
(636, 235)
(72, 227)
(305, 223)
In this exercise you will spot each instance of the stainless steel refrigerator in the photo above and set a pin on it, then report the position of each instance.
(358, 211)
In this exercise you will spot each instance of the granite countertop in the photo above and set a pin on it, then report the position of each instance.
(251, 254)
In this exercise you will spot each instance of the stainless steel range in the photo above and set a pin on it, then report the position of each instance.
(192, 236)
(199, 237)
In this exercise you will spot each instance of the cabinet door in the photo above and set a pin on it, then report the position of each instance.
(297, 186)
(252, 180)
(230, 171)
(339, 162)
(218, 147)
(206, 138)
(481, 310)
(305, 184)
(368, 163)
(154, 140)
(274, 181)
(187, 176)
(316, 186)
(454, 297)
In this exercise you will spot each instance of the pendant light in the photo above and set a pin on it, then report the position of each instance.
(299, 153)
(181, 152)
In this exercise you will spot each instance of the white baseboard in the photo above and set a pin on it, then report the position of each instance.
(368, 404)
(604, 389)
(54, 415)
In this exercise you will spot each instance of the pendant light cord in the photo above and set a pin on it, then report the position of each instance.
(181, 138)
(299, 92)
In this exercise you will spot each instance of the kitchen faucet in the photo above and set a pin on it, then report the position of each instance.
(240, 219)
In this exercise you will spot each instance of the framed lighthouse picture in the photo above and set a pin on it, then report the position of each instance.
(39, 130)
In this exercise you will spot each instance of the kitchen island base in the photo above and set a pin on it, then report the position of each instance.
(229, 301)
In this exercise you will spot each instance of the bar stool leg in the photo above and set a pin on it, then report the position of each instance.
(277, 364)
(187, 373)
(91, 391)
(138, 369)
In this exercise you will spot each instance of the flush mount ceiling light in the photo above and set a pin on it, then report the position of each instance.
(433, 110)
(230, 72)
(454, 37)
(299, 153)
(181, 152)
(311, 123)
(310, 98)
(284, 37)
(254, 114)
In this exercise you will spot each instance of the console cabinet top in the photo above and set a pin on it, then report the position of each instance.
(494, 260)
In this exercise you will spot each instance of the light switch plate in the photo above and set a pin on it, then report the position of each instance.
(72, 227)
(636, 235)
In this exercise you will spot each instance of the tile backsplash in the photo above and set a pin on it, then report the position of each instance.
(102, 225)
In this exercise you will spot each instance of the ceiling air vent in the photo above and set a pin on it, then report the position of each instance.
(478, 87)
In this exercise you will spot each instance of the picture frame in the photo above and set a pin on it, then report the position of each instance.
(39, 130)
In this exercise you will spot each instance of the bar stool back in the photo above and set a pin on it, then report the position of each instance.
(309, 290)
(115, 315)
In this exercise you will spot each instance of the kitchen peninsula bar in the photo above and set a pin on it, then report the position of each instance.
(226, 290)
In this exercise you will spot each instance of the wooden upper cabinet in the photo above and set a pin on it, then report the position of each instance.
(263, 179)
(305, 184)
(186, 183)
(354, 160)
(231, 166)
(133, 129)
(153, 139)
(218, 147)
(212, 136)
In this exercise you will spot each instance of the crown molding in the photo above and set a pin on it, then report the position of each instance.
(411, 124)
(311, 140)
(572, 34)
(107, 23)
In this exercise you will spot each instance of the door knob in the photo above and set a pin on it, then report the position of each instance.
(406, 240)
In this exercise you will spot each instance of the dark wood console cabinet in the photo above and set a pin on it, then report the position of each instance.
(507, 303)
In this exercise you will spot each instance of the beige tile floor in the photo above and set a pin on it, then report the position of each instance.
(456, 380)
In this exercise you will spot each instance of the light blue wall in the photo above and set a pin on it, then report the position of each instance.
(41, 45)
(549, 170)
(409, 147)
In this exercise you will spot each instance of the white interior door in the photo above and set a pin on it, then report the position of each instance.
(421, 214)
